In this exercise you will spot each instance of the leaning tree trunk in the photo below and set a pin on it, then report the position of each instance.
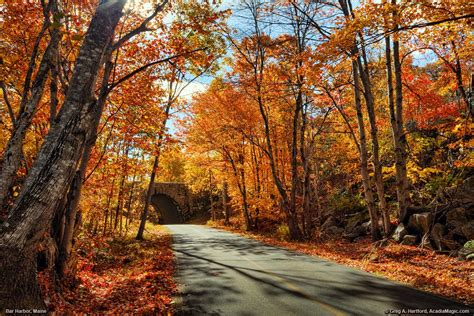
(74, 194)
(54, 168)
(141, 228)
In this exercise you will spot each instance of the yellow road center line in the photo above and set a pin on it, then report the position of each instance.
(288, 284)
(298, 290)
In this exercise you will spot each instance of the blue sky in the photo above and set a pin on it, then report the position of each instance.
(238, 21)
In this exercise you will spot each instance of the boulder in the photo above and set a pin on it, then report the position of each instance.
(425, 243)
(449, 244)
(456, 217)
(437, 235)
(356, 220)
(420, 222)
(468, 230)
(366, 226)
(330, 221)
(400, 232)
(463, 193)
(456, 234)
(411, 210)
(409, 240)
(467, 251)
(333, 231)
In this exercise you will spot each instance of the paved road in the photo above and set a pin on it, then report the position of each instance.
(221, 273)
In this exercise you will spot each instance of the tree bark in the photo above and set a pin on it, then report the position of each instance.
(54, 168)
(7, 102)
(129, 202)
(391, 106)
(239, 175)
(361, 73)
(74, 194)
(461, 89)
(224, 203)
(107, 208)
(363, 158)
(119, 207)
(400, 141)
(149, 193)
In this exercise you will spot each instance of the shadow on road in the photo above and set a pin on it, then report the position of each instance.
(227, 273)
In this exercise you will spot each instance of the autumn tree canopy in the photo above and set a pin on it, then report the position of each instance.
(304, 119)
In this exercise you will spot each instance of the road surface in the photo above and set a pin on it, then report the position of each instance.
(221, 273)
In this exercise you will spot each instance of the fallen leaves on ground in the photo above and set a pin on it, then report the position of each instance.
(421, 268)
(120, 275)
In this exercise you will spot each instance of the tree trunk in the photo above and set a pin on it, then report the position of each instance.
(224, 203)
(370, 104)
(401, 142)
(360, 73)
(74, 194)
(391, 106)
(107, 208)
(20, 288)
(118, 209)
(54, 169)
(149, 193)
(13, 153)
(129, 202)
(239, 175)
(461, 89)
(363, 158)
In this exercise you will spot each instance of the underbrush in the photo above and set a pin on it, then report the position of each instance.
(118, 275)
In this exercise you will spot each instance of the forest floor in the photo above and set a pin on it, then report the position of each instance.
(119, 275)
(420, 268)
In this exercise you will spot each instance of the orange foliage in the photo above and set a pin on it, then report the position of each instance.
(118, 276)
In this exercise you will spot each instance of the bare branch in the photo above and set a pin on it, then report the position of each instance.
(144, 67)
(7, 102)
(141, 28)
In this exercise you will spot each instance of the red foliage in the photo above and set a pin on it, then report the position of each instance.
(117, 276)
(425, 105)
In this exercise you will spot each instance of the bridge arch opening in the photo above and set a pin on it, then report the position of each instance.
(167, 207)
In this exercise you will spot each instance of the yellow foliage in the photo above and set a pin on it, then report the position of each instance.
(417, 174)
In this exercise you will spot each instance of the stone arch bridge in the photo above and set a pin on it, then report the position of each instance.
(172, 200)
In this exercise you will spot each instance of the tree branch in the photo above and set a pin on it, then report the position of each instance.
(144, 67)
(7, 102)
(141, 28)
